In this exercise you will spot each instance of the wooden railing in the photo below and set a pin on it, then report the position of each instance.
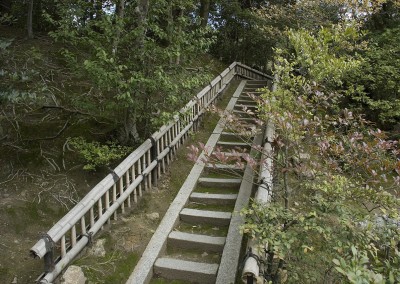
(125, 185)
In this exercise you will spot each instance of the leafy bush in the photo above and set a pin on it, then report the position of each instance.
(97, 154)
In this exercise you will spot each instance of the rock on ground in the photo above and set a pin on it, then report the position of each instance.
(98, 249)
(73, 275)
(153, 216)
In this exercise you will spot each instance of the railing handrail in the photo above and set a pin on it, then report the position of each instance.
(266, 76)
(151, 147)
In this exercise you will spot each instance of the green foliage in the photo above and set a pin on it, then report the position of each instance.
(140, 73)
(325, 206)
(6, 19)
(248, 33)
(19, 77)
(356, 267)
(97, 154)
(5, 43)
(379, 75)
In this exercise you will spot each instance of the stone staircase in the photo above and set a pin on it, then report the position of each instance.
(198, 240)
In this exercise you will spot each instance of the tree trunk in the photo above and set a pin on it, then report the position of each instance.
(141, 15)
(29, 20)
(204, 12)
(141, 12)
(120, 13)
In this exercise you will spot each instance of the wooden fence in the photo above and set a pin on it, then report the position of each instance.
(126, 184)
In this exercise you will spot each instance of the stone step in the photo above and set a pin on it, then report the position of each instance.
(242, 113)
(246, 100)
(248, 94)
(231, 145)
(243, 105)
(234, 136)
(190, 271)
(257, 81)
(223, 169)
(230, 154)
(209, 198)
(220, 182)
(253, 90)
(251, 119)
(195, 216)
(196, 241)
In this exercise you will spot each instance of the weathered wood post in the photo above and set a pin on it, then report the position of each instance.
(49, 256)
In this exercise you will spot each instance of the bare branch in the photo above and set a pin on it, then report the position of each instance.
(51, 137)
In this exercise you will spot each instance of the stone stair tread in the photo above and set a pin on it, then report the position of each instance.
(230, 154)
(247, 118)
(212, 198)
(256, 82)
(239, 111)
(176, 269)
(205, 216)
(196, 241)
(247, 101)
(221, 182)
(235, 135)
(242, 105)
(224, 167)
(236, 143)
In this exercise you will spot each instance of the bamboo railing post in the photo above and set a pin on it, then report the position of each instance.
(83, 225)
(107, 201)
(162, 140)
(139, 173)
(63, 246)
(114, 199)
(91, 212)
(128, 183)
(133, 180)
(121, 191)
(149, 174)
(73, 236)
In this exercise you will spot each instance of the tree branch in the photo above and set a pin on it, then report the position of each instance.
(51, 137)
(73, 111)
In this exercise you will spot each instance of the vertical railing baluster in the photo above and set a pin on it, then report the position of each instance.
(100, 207)
(121, 191)
(139, 173)
(133, 180)
(162, 140)
(63, 247)
(149, 176)
(127, 183)
(176, 134)
(83, 225)
(159, 150)
(73, 235)
(91, 213)
(107, 203)
(169, 154)
(114, 199)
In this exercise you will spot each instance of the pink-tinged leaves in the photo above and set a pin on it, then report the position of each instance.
(193, 154)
